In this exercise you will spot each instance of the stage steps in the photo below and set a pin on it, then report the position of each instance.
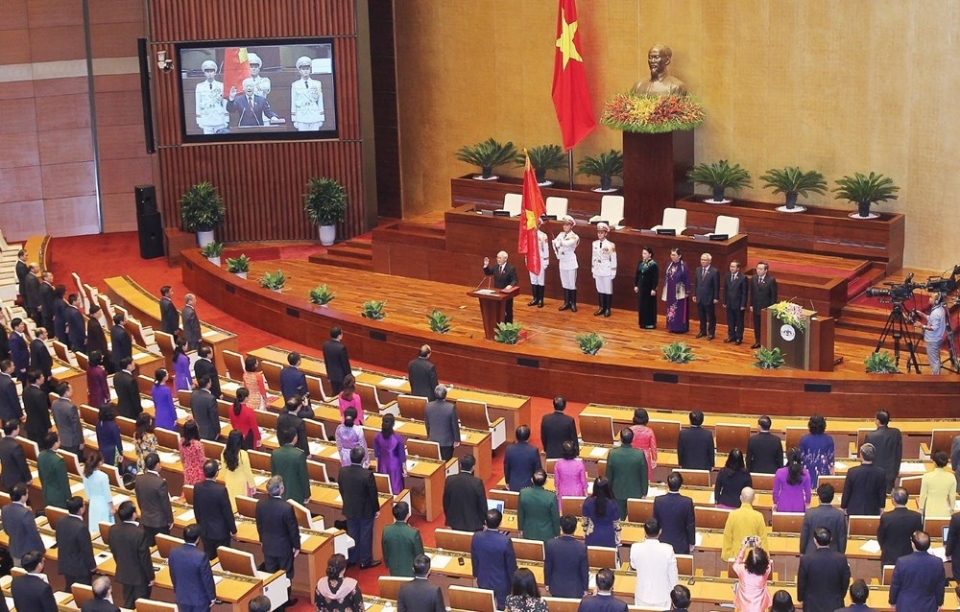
(354, 254)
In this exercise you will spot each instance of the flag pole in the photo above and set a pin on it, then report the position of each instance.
(570, 167)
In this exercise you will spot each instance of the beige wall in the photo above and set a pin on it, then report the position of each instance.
(839, 87)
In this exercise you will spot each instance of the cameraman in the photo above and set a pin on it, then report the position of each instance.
(936, 324)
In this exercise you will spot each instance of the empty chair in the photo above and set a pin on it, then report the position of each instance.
(611, 210)
(512, 202)
(673, 218)
(556, 207)
(729, 226)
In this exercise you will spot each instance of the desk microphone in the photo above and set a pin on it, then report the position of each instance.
(485, 278)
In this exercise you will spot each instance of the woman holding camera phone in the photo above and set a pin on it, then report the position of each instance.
(752, 568)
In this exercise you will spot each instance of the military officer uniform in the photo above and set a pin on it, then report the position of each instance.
(537, 281)
(306, 101)
(212, 116)
(565, 245)
(604, 269)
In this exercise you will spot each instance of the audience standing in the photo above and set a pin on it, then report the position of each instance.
(888, 442)
(401, 543)
(419, 595)
(423, 375)
(361, 507)
(695, 450)
(193, 587)
(538, 517)
(600, 516)
(656, 566)
(918, 578)
(743, 523)
(520, 461)
(732, 479)
(465, 498)
(627, 472)
(824, 515)
(938, 489)
(75, 559)
(565, 567)
(791, 485)
(443, 426)
(864, 488)
(823, 577)
(493, 559)
(130, 547)
(569, 474)
(557, 428)
(676, 516)
(764, 450)
(212, 509)
(896, 527)
(816, 449)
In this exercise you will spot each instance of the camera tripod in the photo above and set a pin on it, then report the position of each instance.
(897, 325)
(951, 363)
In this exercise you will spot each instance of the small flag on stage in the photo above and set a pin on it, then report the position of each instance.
(236, 68)
(571, 98)
(531, 209)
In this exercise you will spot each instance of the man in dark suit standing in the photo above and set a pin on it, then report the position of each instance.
(10, 407)
(859, 592)
(896, 527)
(66, 416)
(493, 559)
(36, 405)
(735, 301)
(401, 543)
(251, 106)
(556, 428)
(40, 358)
(603, 601)
(706, 294)
(952, 545)
(278, 530)
(31, 300)
(190, 322)
(763, 294)
(128, 392)
(204, 407)
(361, 507)
(128, 544)
(22, 269)
(520, 461)
(423, 375)
(464, 498)
(888, 442)
(19, 352)
(824, 515)
(764, 450)
(75, 550)
(169, 315)
(566, 571)
(48, 299)
(443, 426)
(76, 328)
(865, 487)
(695, 450)
(823, 577)
(33, 592)
(293, 382)
(153, 498)
(335, 359)
(504, 278)
(211, 506)
(918, 578)
(19, 523)
(288, 419)
(193, 586)
(419, 595)
(121, 346)
(13, 462)
(99, 603)
(206, 367)
(675, 514)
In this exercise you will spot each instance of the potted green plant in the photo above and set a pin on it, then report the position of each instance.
(865, 190)
(202, 211)
(239, 265)
(720, 176)
(326, 205)
(794, 182)
(590, 343)
(439, 322)
(605, 166)
(768, 359)
(880, 363)
(212, 252)
(543, 159)
(374, 309)
(273, 280)
(321, 295)
(677, 352)
(507, 333)
(487, 155)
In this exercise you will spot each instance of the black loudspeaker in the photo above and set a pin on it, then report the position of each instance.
(146, 196)
(150, 229)
(145, 94)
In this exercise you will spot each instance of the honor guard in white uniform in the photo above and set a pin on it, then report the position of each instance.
(306, 99)
(261, 85)
(212, 115)
(537, 280)
(565, 245)
(604, 269)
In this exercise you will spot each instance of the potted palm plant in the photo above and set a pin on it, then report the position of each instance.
(543, 159)
(865, 190)
(590, 343)
(326, 205)
(238, 265)
(605, 166)
(487, 155)
(202, 211)
(720, 176)
(793, 182)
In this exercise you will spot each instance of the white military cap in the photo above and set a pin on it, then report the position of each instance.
(304, 61)
(568, 219)
(208, 65)
(603, 226)
(253, 58)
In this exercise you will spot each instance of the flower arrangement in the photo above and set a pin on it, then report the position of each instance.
(790, 313)
(652, 114)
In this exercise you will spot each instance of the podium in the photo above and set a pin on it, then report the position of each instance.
(493, 304)
(810, 349)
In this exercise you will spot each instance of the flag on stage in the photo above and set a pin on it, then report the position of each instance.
(531, 209)
(236, 68)
(571, 98)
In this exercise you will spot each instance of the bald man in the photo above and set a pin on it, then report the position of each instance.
(743, 523)
(504, 278)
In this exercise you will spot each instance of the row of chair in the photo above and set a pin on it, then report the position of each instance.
(611, 208)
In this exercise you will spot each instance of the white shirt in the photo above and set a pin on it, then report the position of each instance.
(656, 566)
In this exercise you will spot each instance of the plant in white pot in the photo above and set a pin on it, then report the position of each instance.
(212, 252)
(238, 265)
(864, 191)
(326, 205)
(202, 211)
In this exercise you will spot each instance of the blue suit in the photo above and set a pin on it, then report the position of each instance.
(565, 568)
(192, 578)
(20, 354)
(494, 563)
(292, 382)
(677, 519)
(602, 603)
(520, 461)
(918, 583)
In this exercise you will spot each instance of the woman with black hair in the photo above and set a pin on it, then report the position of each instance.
(336, 592)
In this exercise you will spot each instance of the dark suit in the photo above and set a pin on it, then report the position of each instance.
(735, 301)
(443, 426)
(602, 603)
(40, 358)
(565, 568)
(251, 110)
(128, 544)
(192, 578)
(695, 450)
(20, 526)
(494, 563)
(419, 595)
(822, 580)
(289, 420)
(893, 534)
(121, 345)
(850, 608)
(464, 502)
(952, 545)
(31, 592)
(48, 298)
(75, 557)
(211, 506)
(13, 464)
(76, 335)
(128, 395)
(423, 378)
(98, 605)
(279, 534)
(555, 429)
(358, 490)
(337, 363)
(889, 444)
(520, 461)
(36, 403)
(827, 516)
(31, 301)
(918, 583)
(191, 327)
(60, 321)
(504, 276)
(205, 367)
(762, 295)
(292, 382)
(169, 316)
(864, 490)
(97, 341)
(153, 498)
(706, 289)
(22, 271)
(20, 355)
(401, 544)
(203, 405)
(677, 521)
(9, 400)
(764, 453)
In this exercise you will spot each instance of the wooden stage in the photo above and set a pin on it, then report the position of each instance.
(628, 371)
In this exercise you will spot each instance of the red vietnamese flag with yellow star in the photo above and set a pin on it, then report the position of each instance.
(531, 209)
(236, 68)
(571, 97)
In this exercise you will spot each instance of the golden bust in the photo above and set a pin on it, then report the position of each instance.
(660, 83)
